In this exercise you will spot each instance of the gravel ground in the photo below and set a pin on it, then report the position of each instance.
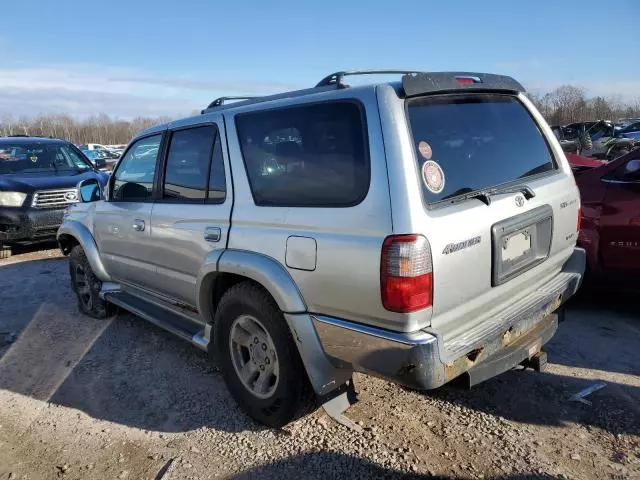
(81, 398)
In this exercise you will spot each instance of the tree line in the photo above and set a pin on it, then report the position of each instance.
(569, 104)
(565, 104)
(100, 128)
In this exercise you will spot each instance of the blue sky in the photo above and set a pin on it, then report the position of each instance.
(161, 57)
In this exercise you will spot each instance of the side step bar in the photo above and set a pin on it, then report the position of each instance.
(165, 318)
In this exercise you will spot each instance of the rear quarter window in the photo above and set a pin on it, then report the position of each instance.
(306, 156)
(478, 141)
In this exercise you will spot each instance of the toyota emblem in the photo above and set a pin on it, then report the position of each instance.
(71, 196)
(519, 201)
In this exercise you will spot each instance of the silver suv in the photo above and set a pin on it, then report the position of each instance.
(421, 230)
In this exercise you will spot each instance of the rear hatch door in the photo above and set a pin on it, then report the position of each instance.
(500, 205)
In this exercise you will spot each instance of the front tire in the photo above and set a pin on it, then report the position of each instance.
(87, 286)
(258, 358)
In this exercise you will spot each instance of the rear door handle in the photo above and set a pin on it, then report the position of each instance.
(138, 225)
(212, 234)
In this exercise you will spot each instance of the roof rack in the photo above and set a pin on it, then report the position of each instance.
(336, 78)
(221, 100)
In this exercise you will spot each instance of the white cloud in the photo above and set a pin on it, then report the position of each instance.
(81, 103)
(82, 90)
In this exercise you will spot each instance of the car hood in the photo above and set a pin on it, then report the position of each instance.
(31, 182)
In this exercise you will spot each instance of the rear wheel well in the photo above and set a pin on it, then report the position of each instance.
(67, 242)
(221, 283)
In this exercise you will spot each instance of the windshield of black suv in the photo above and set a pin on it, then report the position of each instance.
(39, 158)
(469, 142)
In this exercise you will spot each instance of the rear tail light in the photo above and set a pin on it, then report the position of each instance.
(406, 273)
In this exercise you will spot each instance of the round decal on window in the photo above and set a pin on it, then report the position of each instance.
(425, 150)
(433, 176)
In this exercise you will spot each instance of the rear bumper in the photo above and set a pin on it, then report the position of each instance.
(422, 360)
(29, 224)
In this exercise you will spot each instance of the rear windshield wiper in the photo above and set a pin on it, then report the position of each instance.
(525, 190)
(484, 195)
(459, 195)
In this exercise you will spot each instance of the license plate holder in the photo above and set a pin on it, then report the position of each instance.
(520, 243)
(516, 246)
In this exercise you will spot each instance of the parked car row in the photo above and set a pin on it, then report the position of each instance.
(602, 139)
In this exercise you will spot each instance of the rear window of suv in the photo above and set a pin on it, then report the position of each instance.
(474, 141)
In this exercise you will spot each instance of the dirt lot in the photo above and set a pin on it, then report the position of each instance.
(80, 398)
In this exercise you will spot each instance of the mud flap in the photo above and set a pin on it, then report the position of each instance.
(338, 401)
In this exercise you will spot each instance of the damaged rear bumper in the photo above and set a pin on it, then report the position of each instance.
(423, 360)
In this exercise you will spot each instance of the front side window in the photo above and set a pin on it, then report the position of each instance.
(474, 141)
(306, 156)
(133, 180)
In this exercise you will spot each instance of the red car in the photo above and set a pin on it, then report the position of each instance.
(610, 231)
(579, 163)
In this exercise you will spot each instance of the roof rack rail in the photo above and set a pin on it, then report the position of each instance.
(221, 100)
(336, 78)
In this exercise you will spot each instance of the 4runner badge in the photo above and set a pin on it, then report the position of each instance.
(454, 247)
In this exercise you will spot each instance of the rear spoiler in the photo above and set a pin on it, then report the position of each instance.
(415, 84)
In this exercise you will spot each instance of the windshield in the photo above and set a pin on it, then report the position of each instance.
(39, 158)
(470, 142)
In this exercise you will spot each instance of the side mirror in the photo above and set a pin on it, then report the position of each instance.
(100, 163)
(90, 190)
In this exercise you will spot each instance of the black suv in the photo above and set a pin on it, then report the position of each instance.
(38, 179)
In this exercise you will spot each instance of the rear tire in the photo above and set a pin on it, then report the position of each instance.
(258, 358)
(87, 286)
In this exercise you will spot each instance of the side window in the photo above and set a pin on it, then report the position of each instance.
(306, 156)
(195, 166)
(133, 180)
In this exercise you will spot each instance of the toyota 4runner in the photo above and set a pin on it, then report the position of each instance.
(420, 230)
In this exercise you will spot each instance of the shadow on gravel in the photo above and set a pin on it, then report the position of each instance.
(336, 465)
(24, 288)
(123, 370)
(141, 376)
(599, 333)
(543, 399)
(34, 247)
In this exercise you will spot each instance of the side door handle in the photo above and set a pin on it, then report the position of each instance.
(212, 234)
(138, 225)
